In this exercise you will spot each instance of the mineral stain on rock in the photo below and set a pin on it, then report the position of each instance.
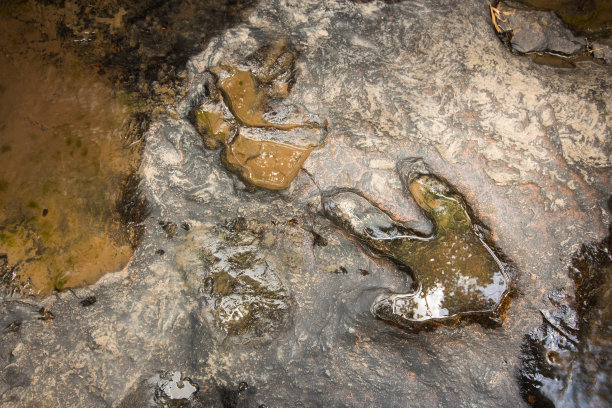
(264, 146)
(458, 275)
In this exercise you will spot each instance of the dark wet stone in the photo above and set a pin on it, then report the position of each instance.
(318, 239)
(241, 396)
(45, 314)
(88, 301)
(14, 326)
(132, 207)
(567, 362)
(169, 228)
(457, 274)
(14, 377)
(590, 17)
(341, 271)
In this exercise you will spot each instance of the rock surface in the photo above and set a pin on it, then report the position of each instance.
(537, 30)
(528, 146)
(568, 360)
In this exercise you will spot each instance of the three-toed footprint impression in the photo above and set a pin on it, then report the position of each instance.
(457, 274)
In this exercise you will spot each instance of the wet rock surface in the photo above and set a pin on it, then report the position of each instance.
(527, 146)
(242, 294)
(567, 361)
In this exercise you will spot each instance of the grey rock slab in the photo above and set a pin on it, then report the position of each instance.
(528, 146)
(537, 31)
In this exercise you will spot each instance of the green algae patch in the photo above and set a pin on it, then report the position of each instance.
(265, 147)
(457, 274)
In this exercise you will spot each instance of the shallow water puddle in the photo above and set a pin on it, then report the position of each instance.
(62, 163)
(264, 163)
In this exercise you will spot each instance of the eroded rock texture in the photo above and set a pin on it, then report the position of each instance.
(526, 145)
(242, 294)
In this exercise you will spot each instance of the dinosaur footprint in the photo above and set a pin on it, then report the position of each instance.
(458, 275)
(265, 141)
